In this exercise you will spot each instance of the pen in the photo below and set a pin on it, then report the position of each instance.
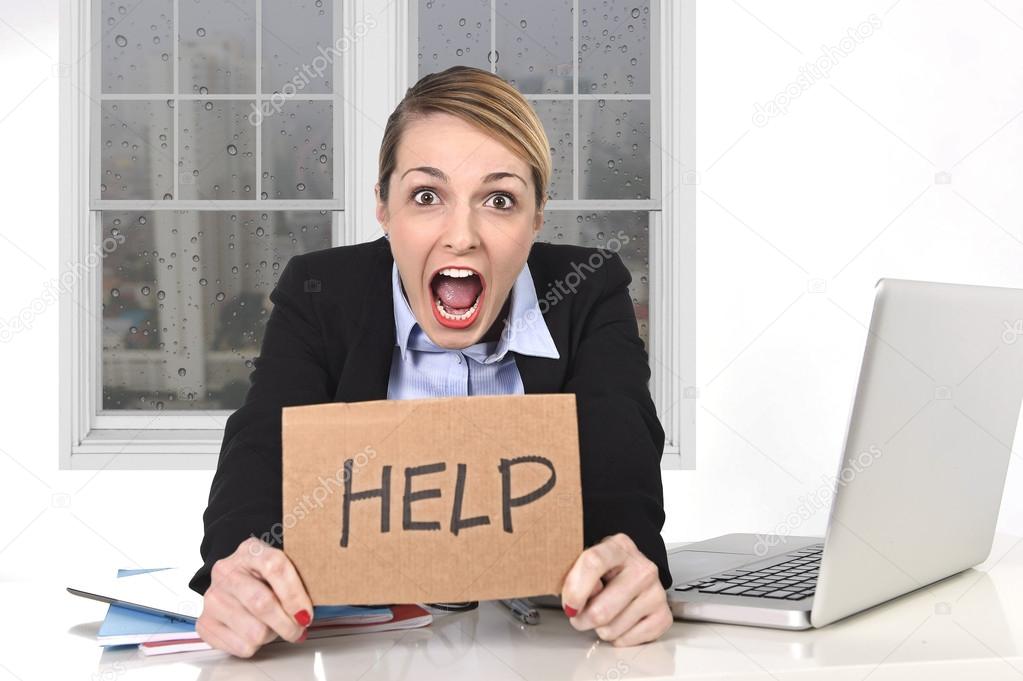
(522, 610)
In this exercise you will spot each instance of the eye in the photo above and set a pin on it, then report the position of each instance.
(424, 197)
(501, 201)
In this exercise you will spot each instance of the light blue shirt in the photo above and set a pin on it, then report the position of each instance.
(421, 369)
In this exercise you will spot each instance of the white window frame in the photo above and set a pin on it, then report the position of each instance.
(374, 73)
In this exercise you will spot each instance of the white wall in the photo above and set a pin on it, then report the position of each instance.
(841, 188)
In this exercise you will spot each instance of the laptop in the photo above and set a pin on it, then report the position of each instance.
(918, 489)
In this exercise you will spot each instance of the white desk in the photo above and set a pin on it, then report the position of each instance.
(969, 626)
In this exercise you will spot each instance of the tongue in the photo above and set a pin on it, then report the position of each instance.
(457, 293)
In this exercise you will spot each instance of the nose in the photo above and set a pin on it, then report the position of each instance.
(461, 234)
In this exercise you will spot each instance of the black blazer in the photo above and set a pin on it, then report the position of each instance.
(330, 337)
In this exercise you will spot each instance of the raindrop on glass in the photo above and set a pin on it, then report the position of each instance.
(121, 41)
(221, 296)
(145, 290)
(232, 150)
(300, 186)
(201, 32)
(181, 371)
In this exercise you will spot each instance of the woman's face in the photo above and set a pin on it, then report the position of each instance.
(461, 215)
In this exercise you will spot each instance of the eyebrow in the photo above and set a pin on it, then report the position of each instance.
(440, 175)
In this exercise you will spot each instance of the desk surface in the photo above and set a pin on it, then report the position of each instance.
(967, 626)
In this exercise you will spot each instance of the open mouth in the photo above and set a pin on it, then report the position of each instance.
(457, 296)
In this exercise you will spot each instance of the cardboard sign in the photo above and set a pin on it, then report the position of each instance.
(437, 500)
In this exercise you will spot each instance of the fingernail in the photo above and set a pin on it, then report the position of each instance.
(569, 610)
(303, 636)
(302, 617)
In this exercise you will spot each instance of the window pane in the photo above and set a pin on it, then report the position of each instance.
(136, 154)
(294, 32)
(298, 151)
(453, 32)
(218, 46)
(556, 117)
(534, 45)
(626, 233)
(186, 298)
(614, 46)
(218, 150)
(615, 152)
(137, 46)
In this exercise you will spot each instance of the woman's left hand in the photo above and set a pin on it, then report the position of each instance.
(615, 590)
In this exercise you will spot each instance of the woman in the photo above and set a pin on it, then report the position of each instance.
(447, 304)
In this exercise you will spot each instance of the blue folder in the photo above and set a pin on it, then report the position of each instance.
(122, 621)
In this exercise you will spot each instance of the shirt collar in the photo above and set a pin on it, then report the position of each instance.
(525, 333)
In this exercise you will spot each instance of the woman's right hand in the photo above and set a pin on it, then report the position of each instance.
(255, 594)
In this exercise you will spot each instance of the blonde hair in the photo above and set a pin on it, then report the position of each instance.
(483, 100)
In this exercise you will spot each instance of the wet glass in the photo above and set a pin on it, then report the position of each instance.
(298, 151)
(614, 47)
(453, 32)
(217, 153)
(217, 47)
(626, 233)
(137, 46)
(136, 141)
(186, 299)
(556, 116)
(614, 153)
(534, 45)
(297, 46)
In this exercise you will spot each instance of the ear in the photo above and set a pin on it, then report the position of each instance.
(381, 209)
(538, 220)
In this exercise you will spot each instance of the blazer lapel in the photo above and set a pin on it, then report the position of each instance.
(540, 374)
(367, 367)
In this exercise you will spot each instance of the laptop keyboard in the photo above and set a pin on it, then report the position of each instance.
(792, 579)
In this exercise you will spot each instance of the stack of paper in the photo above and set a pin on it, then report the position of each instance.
(148, 610)
(403, 617)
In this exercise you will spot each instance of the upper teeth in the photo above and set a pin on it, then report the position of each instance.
(456, 272)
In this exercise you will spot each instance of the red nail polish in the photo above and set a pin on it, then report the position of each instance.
(302, 617)
(569, 610)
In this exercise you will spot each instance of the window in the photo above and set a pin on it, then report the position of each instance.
(596, 104)
(206, 143)
(211, 174)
